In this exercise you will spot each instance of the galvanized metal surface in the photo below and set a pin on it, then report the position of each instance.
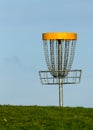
(60, 93)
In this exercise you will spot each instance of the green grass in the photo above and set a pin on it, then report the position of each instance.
(45, 118)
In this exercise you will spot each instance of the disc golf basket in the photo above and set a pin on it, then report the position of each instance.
(59, 50)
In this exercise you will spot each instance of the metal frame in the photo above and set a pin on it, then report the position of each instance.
(73, 77)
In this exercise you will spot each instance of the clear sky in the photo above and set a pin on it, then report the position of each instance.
(22, 23)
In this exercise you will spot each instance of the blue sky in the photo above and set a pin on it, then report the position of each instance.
(22, 23)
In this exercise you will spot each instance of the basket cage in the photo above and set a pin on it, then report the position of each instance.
(59, 53)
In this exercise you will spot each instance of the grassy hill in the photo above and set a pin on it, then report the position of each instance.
(45, 118)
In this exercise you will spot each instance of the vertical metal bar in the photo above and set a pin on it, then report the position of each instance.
(66, 54)
(71, 55)
(60, 92)
(46, 53)
(60, 72)
(59, 58)
(56, 57)
(52, 57)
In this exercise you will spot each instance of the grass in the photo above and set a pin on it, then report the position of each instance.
(45, 118)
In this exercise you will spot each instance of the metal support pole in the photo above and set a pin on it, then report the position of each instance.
(60, 72)
(59, 58)
(60, 93)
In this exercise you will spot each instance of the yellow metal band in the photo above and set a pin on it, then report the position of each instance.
(59, 35)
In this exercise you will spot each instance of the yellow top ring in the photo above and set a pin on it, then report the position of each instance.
(59, 35)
